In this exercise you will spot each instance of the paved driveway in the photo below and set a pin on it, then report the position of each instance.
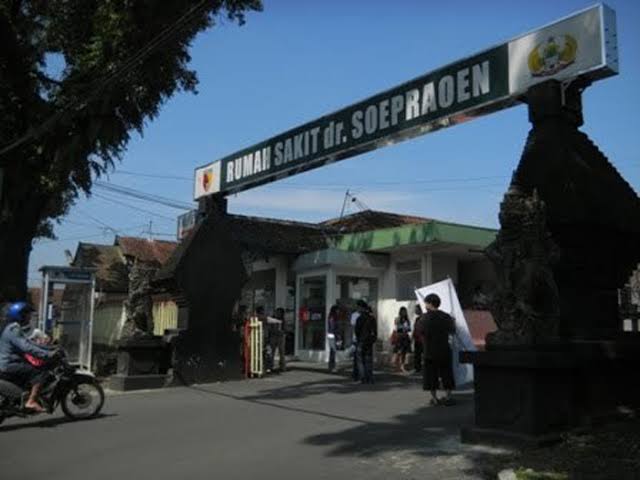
(298, 425)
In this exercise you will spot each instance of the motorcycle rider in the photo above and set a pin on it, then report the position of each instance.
(14, 345)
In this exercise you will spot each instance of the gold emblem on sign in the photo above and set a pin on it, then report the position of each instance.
(554, 54)
(207, 180)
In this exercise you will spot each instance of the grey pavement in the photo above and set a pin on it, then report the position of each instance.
(300, 424)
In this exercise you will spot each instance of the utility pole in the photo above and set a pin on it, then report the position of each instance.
(344, 203)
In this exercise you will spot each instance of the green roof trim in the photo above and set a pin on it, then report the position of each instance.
(417, 234)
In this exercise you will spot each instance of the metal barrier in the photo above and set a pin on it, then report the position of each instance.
(254, 348)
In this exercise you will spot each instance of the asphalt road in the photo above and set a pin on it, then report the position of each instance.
(300, 424)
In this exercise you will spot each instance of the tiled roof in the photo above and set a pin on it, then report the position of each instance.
(258, 234)
(110, 260)
(111, 274)
(278, 236)
(151, 251)
(371, 220)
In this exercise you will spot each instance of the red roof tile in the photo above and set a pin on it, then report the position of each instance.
(152, 251)
(111, 275)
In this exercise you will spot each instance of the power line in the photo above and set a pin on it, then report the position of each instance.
(82, 237)
(98, 221)
(407, 182)
(168, 202)
(68, 239)
(332, 185)
(72, 222)
(328, 184)
(340, 186)
(142, 210)
(152, 175)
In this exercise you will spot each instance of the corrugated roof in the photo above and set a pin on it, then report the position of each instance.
(363, 231)
(371, 220)
(278, 236)
(151, 251)
(429, 232)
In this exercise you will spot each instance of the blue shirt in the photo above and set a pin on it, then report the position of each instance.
(13, 346)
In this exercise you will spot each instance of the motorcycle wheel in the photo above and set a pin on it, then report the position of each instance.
(84, 400)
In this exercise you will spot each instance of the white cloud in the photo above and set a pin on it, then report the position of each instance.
(461, 205)
(327, 203)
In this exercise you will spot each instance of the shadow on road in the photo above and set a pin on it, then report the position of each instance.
(423, 431)
(50, 423)
(336, 385)
(270, 397)
(426, 433)
(257, 400)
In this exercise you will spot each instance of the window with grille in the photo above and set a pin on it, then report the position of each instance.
(408, 278)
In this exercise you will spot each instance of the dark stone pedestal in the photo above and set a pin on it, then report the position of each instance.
(124, 383)
(142, 364)
(521, 397)
(528, 398)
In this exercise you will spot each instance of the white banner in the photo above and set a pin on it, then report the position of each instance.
(462, 372)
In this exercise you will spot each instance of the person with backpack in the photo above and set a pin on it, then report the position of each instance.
(366, 336)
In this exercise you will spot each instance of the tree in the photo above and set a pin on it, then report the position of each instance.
(119, 60)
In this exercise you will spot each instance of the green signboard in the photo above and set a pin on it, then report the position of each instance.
(580, 45)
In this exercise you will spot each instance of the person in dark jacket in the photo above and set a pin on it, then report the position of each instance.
(437, 327)
(366, 336)
(417, 340)
(13, 347)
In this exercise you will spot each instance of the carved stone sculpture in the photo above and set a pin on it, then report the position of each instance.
(139, 305)
(526, 303)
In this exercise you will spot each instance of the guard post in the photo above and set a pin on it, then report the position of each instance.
(72, 326)
(256, 348)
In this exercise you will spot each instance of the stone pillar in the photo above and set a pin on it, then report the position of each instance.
(209, 275)
(593, 214)
(569, 236)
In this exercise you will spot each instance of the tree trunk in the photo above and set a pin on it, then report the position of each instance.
(19, 220)
(15, 248)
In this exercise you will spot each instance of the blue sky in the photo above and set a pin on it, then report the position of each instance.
(299, 60)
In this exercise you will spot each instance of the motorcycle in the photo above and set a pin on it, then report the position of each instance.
(77, 392)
